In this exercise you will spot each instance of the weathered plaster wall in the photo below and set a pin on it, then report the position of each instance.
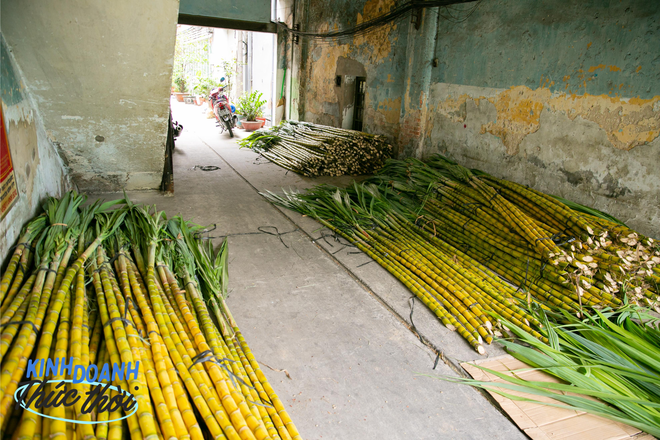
(244, 10)
(379, 56)
(563, 96)
(572, 158)
(100, 73)
(38, 169)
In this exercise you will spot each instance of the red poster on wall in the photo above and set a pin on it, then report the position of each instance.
(8, 189)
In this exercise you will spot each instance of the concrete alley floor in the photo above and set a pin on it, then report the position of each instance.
(307, 305)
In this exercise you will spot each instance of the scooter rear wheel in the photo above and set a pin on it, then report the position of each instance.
(228, 125)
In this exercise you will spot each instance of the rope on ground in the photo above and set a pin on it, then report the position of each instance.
(205, 167)
(261, 230)
(438, 355)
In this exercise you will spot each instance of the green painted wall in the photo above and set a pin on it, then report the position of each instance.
(245, 10)
(9, 85)
(591, 46)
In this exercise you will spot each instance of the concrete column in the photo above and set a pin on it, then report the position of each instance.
(417, 82)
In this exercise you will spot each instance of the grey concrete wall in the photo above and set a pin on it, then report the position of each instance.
(100, 73)
(560, 95)
(38, 169)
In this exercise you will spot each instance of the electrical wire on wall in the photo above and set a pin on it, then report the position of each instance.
(461, 14)
(451, 13)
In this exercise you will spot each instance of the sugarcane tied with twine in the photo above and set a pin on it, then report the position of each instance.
(318, 150)
(120, 284)
(472, 247)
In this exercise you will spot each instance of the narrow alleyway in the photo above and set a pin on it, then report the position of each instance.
(335, 325)
(523, 204)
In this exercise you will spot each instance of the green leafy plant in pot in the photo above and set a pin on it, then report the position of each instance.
(179, 84)
(251, 106)
(202, 88)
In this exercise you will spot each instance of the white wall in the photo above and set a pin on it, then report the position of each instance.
(263, 51)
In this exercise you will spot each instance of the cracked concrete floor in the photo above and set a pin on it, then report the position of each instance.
(340, 331)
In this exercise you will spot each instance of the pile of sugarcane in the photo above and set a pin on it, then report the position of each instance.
(567, 257)
(469, 245)
(319, 150)
(118, 284)
(460, 291)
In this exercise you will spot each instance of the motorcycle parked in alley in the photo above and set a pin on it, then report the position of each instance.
(223, 110)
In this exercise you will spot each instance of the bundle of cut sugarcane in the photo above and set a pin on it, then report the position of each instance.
(460, 239)
(112, 285)
(589, 259)
(318, 150)
(461, 292)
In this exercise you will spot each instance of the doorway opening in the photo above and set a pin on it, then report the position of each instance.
(242, 62)
(358, 113)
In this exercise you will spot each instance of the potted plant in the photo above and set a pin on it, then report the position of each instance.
(179, 83)
(251, 106)
(260, 118)
(239, 119)
(202, 88)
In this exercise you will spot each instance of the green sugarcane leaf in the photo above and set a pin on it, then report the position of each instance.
(601, 392)
(574, 403)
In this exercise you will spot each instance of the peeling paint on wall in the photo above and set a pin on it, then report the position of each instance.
(627, 122)
(565, 154)
(38, 169)
(518, 115)
(390, 109)
(561, 95)
(374, 53)
(378, 42)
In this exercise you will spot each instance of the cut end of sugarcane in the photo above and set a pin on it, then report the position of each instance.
(481, 350)
(451, 327)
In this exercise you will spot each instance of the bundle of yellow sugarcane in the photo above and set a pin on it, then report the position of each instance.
(106, 333)
(590, 258)
(461, 292)
(319, 150)
(460, 240)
